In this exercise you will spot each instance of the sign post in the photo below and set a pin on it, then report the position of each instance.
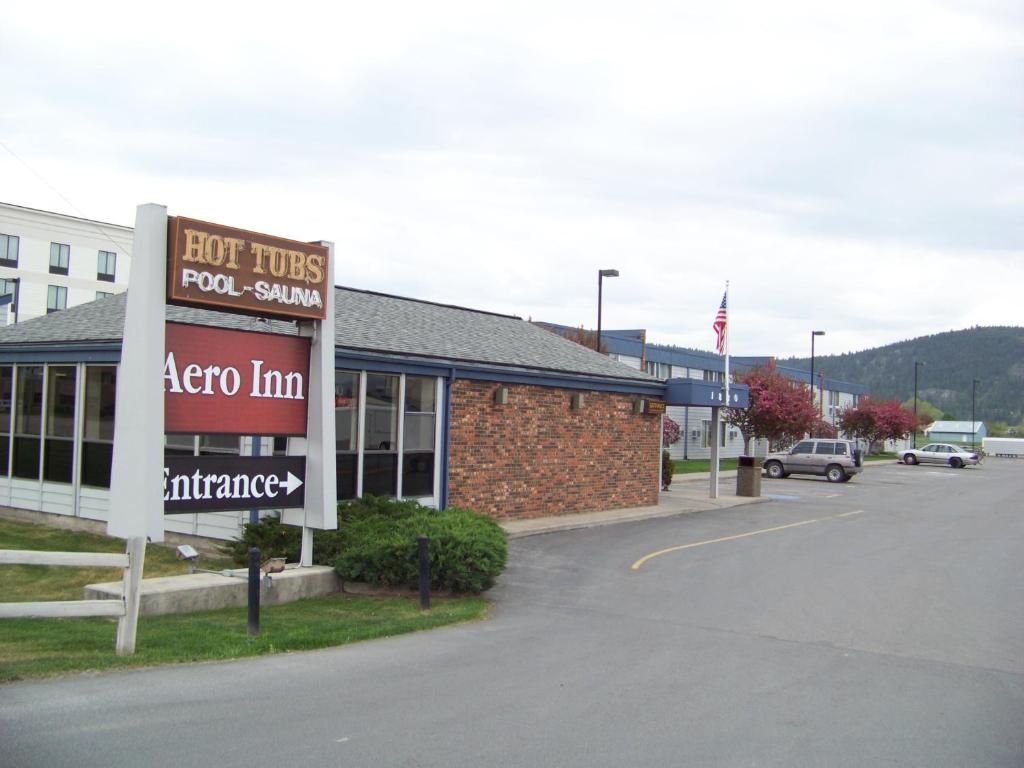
(210, 380)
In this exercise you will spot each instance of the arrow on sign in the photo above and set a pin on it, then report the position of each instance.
(291, 483)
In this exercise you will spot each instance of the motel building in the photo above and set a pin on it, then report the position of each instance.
(446, 405)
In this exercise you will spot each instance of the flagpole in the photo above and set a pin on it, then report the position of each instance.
(727, 334)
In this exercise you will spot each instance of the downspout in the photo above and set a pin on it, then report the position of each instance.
(446, 437)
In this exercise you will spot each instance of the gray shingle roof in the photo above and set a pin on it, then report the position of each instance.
(364, 321)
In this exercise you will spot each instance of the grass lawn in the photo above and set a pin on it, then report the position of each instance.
(881, 457)
(701, 465)
(44, 647)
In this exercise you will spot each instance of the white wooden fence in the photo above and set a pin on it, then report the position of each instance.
(125, 610)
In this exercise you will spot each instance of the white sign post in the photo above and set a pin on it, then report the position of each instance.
(136, 473)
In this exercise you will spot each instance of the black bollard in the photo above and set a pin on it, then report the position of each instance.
(254, 591)
(424, 568)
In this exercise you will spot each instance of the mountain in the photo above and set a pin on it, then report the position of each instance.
(952, 360)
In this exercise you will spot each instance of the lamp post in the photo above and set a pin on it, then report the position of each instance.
(974, 431)
(813, 334)
(917, 364)
(601, 275)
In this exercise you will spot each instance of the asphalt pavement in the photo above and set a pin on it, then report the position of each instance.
(872, 623)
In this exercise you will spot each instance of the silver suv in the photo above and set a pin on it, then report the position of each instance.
(837, 460)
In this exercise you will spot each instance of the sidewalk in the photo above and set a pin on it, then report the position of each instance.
(688, 493)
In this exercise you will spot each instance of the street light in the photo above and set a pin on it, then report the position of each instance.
(813, 334)
(917, 364)
(974, 431)
(601, 275)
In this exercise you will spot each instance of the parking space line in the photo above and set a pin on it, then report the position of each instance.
(639, 563)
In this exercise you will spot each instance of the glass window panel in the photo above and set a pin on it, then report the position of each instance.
(28, 419)
(419, 432)
(100, 391)
(380, 474)
(346, 410)
(56, 298)
(346, 464)
(60, 255)
(60, 402)
(179, 445)
(26, 457)
(219, 445)
(106, 264)
(96, 461)
(825, 449)
(57, 461)
(419, 394)
(805, 447)
(381, 412)
(5, 453)
(6, 382)
(9, 250)
(418, 474)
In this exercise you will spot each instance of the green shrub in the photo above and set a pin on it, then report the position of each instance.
(271, 536)
(667, 468)
(376, 543)
(467, 552)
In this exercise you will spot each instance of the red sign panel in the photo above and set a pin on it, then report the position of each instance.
(219, 381)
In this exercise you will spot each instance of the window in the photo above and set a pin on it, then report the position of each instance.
(418, 436)
(661, 370)
(380, 451)
(98, 425)
(102, 295)
(804, 447)
(28, 421)
(6, 385)
(8, 286)
(705, 433)
(9, 250)
(346, 431)
(825, 449)
(60, 256)
(718, 376)
(58, 449)
(106, 265)
(56, 298)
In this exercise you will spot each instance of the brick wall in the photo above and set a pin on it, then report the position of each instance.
(536, 456)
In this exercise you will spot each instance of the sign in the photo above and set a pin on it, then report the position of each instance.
(654, 407)
(211, 483)
(220, 381)
(211, 265)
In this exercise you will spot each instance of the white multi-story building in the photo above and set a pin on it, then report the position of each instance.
(49, 261)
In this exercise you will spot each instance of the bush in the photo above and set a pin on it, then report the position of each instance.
(467, 552)
(667, 468)
(376, 543)
(271, 536)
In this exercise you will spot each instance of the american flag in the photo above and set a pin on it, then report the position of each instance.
(720, 323)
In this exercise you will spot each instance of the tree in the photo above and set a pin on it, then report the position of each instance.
(924, 409)
(877, 421)
(780, 409)
(670, 432)
(585, 338)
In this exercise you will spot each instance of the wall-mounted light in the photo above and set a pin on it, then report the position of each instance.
(638, 405)
(577, 401)
(501, 395)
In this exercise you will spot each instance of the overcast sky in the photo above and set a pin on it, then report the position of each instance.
(857, 171)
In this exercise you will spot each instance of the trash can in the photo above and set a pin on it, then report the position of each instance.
(748, 476)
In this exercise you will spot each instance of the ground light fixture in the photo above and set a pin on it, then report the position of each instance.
(601, 275)
(813, 334)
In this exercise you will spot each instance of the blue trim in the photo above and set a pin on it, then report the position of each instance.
(41, 353)
(483, 372)
(705, 393)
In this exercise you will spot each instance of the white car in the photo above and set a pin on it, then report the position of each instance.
(939, 453)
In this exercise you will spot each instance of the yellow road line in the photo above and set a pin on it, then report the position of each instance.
(636, 566)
